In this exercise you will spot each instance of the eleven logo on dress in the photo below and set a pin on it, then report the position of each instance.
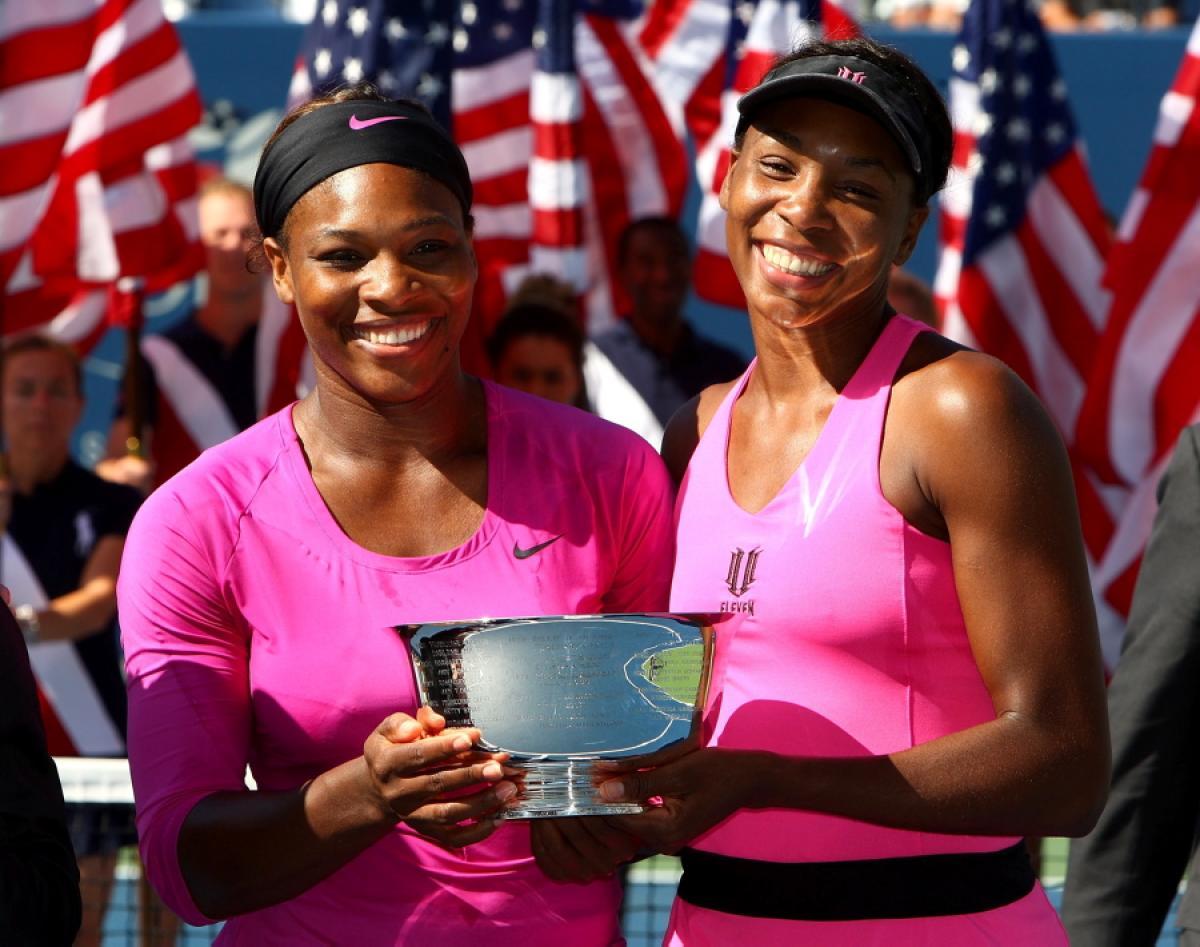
(742, 568)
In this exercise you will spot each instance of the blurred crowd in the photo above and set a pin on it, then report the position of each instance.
(1058, 15)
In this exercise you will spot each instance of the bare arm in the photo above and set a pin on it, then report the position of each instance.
(120, 466)
(985, 464)
(243, 851)
(89, 608)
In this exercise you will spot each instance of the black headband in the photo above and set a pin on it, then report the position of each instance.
(345, 135)
(858, 84)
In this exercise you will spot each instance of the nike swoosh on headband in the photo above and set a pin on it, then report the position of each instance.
(358, 124)
(520, 553)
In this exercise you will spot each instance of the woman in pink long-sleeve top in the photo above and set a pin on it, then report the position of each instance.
(260, 585)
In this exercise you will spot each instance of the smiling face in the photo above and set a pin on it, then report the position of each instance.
(379, 264)
(820, 205)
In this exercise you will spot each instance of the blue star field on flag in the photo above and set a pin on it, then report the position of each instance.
(1023, 125)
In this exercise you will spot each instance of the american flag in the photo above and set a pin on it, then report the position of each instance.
(96, 99)
(706, 54)
(1023, 234)
(551, 103)
(1144, 386)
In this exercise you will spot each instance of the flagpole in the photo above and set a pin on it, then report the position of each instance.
(3, 366)
(133, 383)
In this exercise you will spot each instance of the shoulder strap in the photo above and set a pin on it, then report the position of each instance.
(882, 362)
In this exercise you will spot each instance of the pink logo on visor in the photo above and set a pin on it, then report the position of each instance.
(358, 124)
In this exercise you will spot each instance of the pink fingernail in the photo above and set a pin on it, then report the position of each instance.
(461, 743)
(612, 791)
(505, 791)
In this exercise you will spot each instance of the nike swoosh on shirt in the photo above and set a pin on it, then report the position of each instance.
(358, 124)
(532, 550)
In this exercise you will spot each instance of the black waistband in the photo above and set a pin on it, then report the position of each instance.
(916, 886)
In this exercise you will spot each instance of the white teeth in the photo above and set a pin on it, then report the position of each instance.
(399, 335)
(782, 260)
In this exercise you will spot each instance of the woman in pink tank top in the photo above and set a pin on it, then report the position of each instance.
(909, 681)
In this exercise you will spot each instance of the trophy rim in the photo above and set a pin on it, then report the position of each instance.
(527, 758)
(705, 618)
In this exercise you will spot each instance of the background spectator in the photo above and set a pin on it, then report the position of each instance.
(65, 533)
(539, 349)
(930, 14)
(199, 376)
(1122, 878)
(39, 881)
(640, 371)
(545, 290)
(1099, 15)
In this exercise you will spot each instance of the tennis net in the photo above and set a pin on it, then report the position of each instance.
(120, 909)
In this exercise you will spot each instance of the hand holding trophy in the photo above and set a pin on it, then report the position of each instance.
(561, 694)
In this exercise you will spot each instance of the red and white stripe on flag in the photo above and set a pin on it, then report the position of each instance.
(705, 54)
(1023, 234)
(562, 162)
(1144, 387)
(565, 137)
(96, 98)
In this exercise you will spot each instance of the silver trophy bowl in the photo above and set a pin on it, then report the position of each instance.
(560, 694)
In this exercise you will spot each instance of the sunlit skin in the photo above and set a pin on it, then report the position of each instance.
(352, 264)
(540, 365)
(829, 185)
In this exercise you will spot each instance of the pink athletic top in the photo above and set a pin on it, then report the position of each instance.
(846, 639)
(256, 632)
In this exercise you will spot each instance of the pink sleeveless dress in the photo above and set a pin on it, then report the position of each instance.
(845, 639)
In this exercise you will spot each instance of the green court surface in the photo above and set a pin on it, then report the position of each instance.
(676, 671)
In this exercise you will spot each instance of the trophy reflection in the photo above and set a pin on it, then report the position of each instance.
(560, 694)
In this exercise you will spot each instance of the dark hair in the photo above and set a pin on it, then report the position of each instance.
(358, 92)
(661, 224)
(535, 319)
(348, 93)
(915, 84)
(41, 343)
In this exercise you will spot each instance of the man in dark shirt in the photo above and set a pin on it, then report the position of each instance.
(199, 377)
(39, 882)
(643, 369)
(63, 533)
